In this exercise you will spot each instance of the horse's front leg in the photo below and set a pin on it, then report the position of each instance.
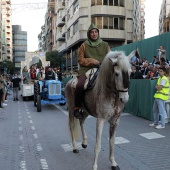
(99, 129)
(84, 136)
(112, 132)
(73, 129)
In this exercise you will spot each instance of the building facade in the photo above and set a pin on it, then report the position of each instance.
(164, 17)
(120, 22)
(0, 31)
(7, 30)
(19, 45)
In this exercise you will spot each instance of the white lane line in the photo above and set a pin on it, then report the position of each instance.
(39, 148)
(120, 140)
(28, 113)
(61, 109)
(69, 147)
(35, 136)
(20, 122)
(44, 164)
(20, 128)
(151, 135)
(32, 127)
(21, 149)
(23, 165)
(66, 112)
(30, 121)
(29, 116)
(19, 113)
(20, 137)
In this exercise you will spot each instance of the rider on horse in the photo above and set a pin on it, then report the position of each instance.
(91, 53)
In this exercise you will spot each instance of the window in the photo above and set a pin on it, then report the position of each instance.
(116, 3)
(116, 23)
(75, 28)
(92, 2)
(68, 33)
(75, 7)
(122, 3)
(99, 22)
(121, 23)
(93, 20)
(111, 2)
(110, 23)
(105, 2)
(99, 2)
(105, 23)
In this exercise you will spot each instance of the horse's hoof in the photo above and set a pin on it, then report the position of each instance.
(75, 151)
(84, 146)
(115, 168)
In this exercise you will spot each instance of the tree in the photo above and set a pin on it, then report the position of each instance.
(56, 59)
(7, 66)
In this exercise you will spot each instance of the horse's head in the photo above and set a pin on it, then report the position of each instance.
(116, 71)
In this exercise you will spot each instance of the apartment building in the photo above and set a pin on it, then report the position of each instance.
(19, 45)
(119, 23)
(7, 30)
(164, 17)
(0, 31)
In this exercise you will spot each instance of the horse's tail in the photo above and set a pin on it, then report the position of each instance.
(75, 130)
(72, 121)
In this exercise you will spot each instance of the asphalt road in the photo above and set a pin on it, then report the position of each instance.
(31, 140)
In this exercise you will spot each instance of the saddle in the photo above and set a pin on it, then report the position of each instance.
(90, 81)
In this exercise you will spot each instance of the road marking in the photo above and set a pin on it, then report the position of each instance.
(23, 165)
(20, 122)
(30, 121)
(20, 128)
(21, 149)
(19, 113)
(44, 164)
(32, 127)
(29, 116)
(35, 136)
(151, 135)
(39, 148)
(120, 140)
(20, 137)
(61, 109)
(28, 113)
(69, 147)
(66, 112)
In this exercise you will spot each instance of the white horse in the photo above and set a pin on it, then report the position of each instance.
(104, 101)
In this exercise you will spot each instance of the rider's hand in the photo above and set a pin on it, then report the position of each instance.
(96, 62)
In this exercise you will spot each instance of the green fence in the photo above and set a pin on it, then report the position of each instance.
(148, 47)
(141, 98)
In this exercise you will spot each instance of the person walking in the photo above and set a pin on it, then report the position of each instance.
(161, 95)
(91, 53)
(15, 81)
(1, 90)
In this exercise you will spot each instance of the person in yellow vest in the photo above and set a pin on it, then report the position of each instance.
(161, 95)
(91, 53)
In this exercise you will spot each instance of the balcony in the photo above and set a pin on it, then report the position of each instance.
(59, 37)
(59, 6)
(8, 1)
(63, 31)
(59, 22)
(63, 15)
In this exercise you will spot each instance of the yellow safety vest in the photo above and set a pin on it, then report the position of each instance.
(162, 94)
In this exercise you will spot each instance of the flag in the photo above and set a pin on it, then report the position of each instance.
(137, 54)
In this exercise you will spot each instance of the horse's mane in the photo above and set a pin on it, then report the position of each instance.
(106, 73)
